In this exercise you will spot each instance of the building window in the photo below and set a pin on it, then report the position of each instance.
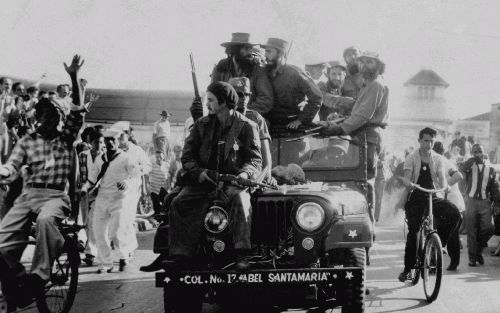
(426, 92)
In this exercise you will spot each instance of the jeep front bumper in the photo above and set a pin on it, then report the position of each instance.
(329, 277)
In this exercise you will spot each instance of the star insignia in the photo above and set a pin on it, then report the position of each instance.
(348, 275)
(167, 280)
(352, 234)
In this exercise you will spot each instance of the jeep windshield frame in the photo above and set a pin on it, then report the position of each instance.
(326, 159)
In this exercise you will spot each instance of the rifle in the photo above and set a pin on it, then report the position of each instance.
(193, 76)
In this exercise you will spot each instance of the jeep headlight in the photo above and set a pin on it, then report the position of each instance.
(310, 216)
(216, 219)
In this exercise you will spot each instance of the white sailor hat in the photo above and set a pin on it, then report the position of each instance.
(111, 132)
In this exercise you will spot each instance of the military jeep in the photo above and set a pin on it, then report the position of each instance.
(308, 239)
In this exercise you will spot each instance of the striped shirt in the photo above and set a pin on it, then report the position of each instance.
(481, 180)
(86, 162)
(158, 177)
(48, 161)
(480, 176)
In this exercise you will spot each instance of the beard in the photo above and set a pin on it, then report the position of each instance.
(352, 69)
(333, 84)
(369, 74)
(245, 62)
(271, 64)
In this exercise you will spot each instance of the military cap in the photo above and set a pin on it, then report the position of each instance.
(370, 55)
(276, 43)
(333, 64)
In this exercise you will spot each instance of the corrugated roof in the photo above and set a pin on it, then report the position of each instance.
(427, 77)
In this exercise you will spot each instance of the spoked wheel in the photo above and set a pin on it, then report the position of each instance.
(145, 206)
(433, 267)
(60, 291)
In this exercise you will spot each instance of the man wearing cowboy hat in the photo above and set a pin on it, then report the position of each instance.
(291, 87)
(161, 133)
(368, 113)
(334, 101)
(243, 61)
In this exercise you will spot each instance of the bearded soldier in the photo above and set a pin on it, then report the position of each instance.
(368, 113)
(293, 88)
(243, 61)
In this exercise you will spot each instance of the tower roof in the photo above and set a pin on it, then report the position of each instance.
(427, 77)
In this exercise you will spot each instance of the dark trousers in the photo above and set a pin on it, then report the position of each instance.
(187, 213)
(453, 247)
(446, 215)
(157, 200)
(479, 226)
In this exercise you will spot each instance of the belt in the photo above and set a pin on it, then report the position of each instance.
(46, 186)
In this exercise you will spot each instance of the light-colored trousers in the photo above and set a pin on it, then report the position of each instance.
(50, 206)
(87, 204)
(112, 219)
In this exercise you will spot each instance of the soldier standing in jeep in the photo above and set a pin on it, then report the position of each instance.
(369, 113)
(292, 88)
(201, 158)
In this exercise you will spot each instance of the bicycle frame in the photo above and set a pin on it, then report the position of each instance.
(427, 235)
(70, 235)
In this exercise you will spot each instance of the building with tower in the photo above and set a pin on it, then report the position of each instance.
(423, 104)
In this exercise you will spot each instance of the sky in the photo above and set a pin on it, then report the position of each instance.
(136, 44)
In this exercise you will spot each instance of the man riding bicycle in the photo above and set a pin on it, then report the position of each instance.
(47, 154)
(425, 168)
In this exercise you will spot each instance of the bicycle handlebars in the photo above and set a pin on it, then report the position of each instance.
(429, 190)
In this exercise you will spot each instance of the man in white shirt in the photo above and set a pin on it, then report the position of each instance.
(143, 163)
(114, 173)
(161, 133)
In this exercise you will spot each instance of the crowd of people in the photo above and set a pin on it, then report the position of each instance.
(46, 156)
(472, 200)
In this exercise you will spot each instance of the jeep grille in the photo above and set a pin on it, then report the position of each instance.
(271, 222)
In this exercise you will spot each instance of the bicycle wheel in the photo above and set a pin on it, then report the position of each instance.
(145, 206)
(60, 291)
(433, 266)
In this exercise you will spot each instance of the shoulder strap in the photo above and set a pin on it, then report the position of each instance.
(105, 166)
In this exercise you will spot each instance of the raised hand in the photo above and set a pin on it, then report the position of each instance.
(93, 97)
(75, 65)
